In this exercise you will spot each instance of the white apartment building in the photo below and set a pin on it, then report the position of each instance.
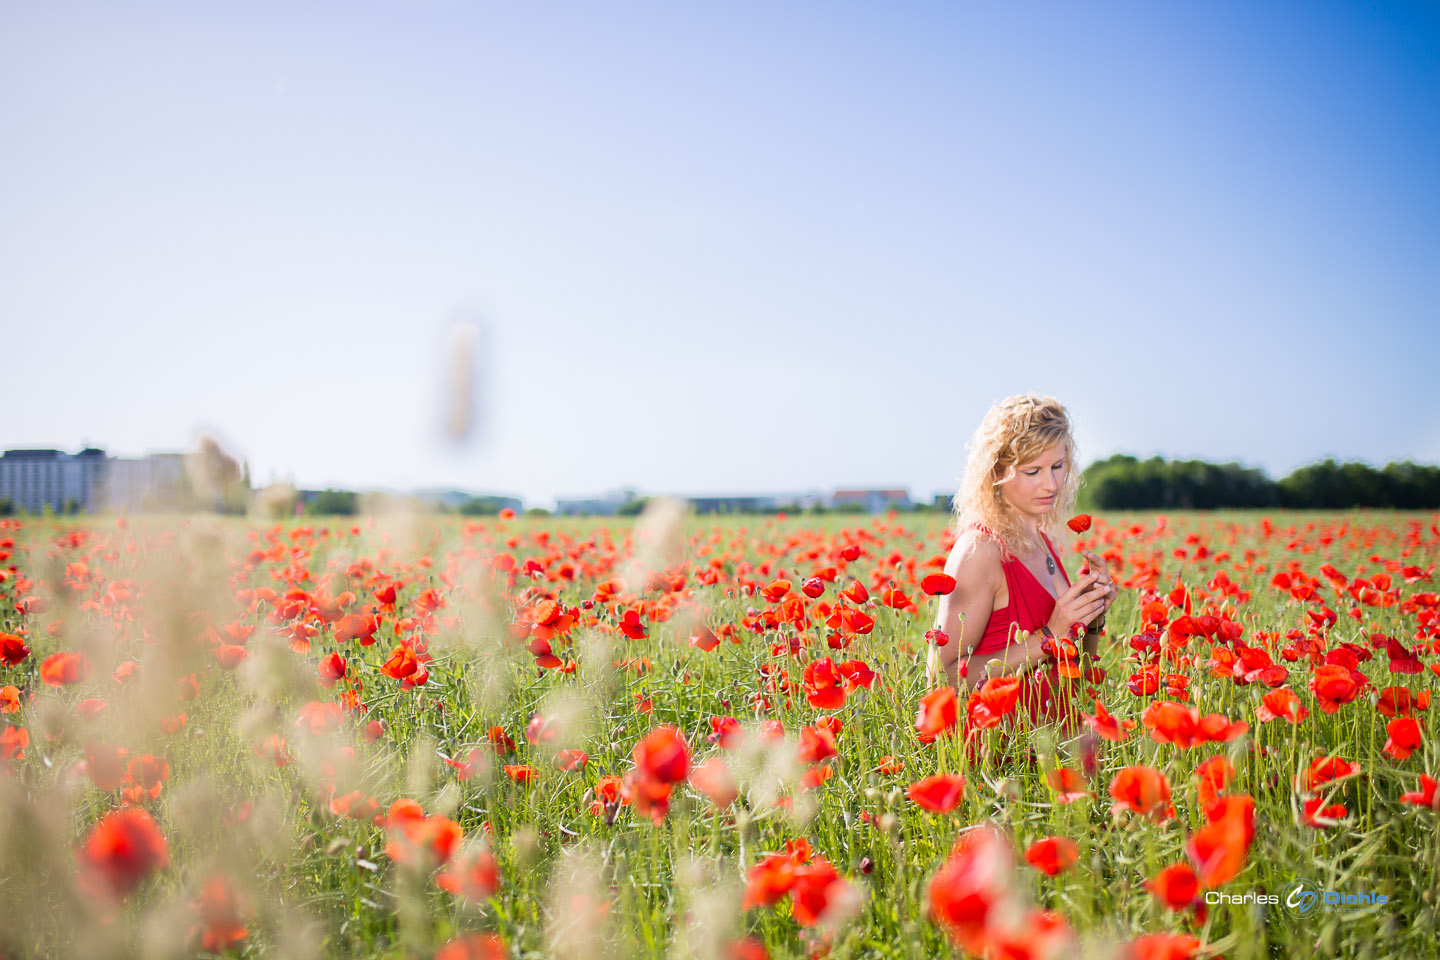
(37, 478)
(33, 479)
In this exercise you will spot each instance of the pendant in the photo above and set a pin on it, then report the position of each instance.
(1050, 564)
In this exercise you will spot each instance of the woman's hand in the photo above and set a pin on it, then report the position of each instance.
(1097, 565)
(1082, 602)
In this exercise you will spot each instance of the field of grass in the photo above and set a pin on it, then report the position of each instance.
(412, 736)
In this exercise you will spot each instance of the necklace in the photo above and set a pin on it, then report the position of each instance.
(1050, 564)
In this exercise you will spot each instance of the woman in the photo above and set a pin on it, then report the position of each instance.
(1020, 482)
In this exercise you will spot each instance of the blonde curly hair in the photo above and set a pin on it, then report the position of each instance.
(1015, 431)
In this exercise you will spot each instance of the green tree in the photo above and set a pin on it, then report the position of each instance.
(481, 507)
(333, 503)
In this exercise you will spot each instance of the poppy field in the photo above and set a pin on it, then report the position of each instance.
(679, 736)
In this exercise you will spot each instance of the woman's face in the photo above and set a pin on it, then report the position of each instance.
(1037, 482)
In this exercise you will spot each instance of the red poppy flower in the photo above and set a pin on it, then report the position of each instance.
(13, 649)
(769, 881)
(726, 732)
(332, 668)
(1320, 815)
(1144, 681)
(65, 669)
(818, 888)
(1218, 849)
(631, 626)
(854, 622)
(973, 883)
(1171, 723)
(124, 848)
(714, 779)
(149, 773)
(1079, 523)
(465, 769)
(13, 741)
(319, 717)
(520, 772)
(357, 626)
(999, 694)
(1143, 790)
(1176, 886)
(662, 755)
(824, 684)
(401, 664)
(1396, 702)
(1068, 784)
(1404, 737)
(570, 760)
(938, 712)
(1052, 855)
(220, 908)
(704, 638)
(417, 840)
(938, 584)
(1426, 796)
(105, 765)
(775, 590)
(897, 599)
(1213, 776)
(940, 793)
(1281, 703)
(1106, 725)
(474, 875)
(1335, 685)
(1162, 946)
(855, 592)
(1326, 770)
(473, 946)
(889, 765)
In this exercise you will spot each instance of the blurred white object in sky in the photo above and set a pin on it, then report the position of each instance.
(461, 344)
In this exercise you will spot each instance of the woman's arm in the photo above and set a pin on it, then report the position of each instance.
(974, 562)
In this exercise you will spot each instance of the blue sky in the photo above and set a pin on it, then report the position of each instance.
(718, 247)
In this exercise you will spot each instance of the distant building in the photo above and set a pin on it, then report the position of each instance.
(607, 506)
(38, 478)
(943, 501)
(148, 483)
(35, 479)
(757, 503)
(873, 501)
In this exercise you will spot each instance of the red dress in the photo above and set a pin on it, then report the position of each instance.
(1043, 693)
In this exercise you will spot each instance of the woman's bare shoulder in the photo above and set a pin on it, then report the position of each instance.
(975, 559)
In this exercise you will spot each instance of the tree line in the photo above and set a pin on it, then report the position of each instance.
(1123, 482)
